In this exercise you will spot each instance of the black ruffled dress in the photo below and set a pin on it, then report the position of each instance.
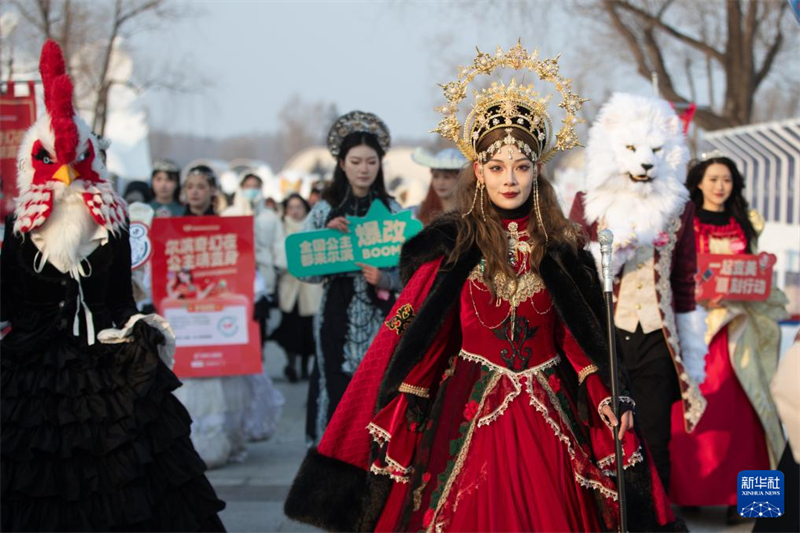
(92, 438)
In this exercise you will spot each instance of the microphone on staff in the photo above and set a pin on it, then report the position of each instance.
(606, 239)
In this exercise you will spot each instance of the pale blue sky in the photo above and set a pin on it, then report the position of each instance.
(380, 56)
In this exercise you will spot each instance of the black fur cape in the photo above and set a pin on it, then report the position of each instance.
(337, 496)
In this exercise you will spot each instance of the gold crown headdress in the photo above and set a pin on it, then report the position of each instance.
(510, 106)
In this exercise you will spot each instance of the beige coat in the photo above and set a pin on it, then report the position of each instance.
(292, 291)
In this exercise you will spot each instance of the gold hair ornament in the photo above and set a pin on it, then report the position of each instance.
(510, 106)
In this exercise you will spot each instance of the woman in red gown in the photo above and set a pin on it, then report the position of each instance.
(740, 429)
(482, 404)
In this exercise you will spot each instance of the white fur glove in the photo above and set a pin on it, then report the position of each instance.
(691, 335)
(166, 351)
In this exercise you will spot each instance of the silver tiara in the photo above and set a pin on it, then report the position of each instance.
(713, 154)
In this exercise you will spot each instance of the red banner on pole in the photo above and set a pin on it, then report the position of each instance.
(203, 270)
(17, 113)
(734, 277)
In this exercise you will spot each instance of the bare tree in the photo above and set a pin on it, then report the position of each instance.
(302, 124)
(89, 33)
(751, 36)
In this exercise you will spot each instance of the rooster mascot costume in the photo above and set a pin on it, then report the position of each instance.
(92, 437)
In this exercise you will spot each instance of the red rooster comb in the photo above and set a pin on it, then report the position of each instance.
(58, 101)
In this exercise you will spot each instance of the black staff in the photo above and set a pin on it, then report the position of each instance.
(606, 238)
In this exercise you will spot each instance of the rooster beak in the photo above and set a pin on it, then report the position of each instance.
(66, 174)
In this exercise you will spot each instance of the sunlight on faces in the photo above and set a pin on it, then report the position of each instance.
(361, 166)
(199, 192)
(296, 210)
(508, 177)
(716, 185)
(163, 187)
(444, 182)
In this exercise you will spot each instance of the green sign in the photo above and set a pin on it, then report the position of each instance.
(374, 239)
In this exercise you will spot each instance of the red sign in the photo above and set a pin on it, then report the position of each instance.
(734, 277)
(17, 113)
(203, 270)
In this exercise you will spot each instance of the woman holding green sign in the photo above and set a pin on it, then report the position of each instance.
(354, 304)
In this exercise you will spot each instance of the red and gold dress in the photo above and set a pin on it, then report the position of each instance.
(508, 450)
(740, 421)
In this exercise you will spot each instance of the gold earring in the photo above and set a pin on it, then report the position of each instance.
(483, 212)
(538, 211)
(478, 185)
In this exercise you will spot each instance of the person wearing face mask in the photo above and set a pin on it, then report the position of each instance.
(249, 201)
(265, 403)
(740, 429)
(483, 403)
(441, 197)
(354, 304)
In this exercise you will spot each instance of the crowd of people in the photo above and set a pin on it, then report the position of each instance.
(467, 388)
(324, 350)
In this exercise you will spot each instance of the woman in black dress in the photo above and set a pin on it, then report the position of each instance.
(354, 304)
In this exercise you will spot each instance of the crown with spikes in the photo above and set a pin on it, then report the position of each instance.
(510, 106)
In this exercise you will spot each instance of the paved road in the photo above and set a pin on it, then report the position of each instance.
(255, 490)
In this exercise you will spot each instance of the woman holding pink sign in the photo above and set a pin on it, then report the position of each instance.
(740, 429)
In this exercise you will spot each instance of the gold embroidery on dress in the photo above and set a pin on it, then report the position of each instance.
(387, 471)
(516, 246)
(413, 389)
(451, 368)
(596, 485)
(472, 487)
(635, 457)
(513, 291)
(379, 435)
(397, 466)
(417, 494)
(542, 409)
(401, 319)
(514, 377)
(585, 373)
(462, 454)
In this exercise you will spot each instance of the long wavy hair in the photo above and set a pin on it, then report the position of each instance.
(490, 236)
(736, 205)
(337, 190)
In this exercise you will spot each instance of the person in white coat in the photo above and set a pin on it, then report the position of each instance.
(265, 402)
(249, 200)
